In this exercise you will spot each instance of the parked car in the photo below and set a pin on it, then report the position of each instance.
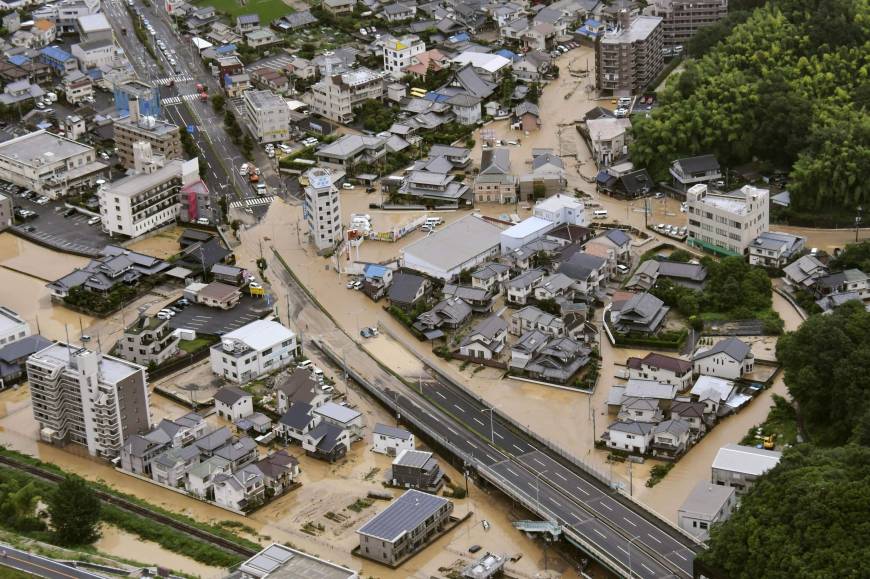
(69, 212)
(357, 285)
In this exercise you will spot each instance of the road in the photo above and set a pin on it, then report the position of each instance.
(40, 566)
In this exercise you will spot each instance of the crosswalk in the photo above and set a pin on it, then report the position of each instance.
(253, 201)
(176, 100)
(176, 78)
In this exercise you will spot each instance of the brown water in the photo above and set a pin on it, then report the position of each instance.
(120, 543)
(162, 245)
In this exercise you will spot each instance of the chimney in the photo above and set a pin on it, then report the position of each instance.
(134, 109)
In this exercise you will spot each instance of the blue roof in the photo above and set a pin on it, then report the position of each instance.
(461, 37)
(602, 177)
(225, 48)
(372, 270)
(19, 59)
(56, 53)
(507, 54)
(43, 126)
(592, 22)
(435, 97)
(94, 73)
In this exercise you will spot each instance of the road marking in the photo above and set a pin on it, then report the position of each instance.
(560, 476)
(453, 431)
(680, 556)
(603, 536)
(647, 568)
(489, 456)
(555, 502)
(441, 395)
(499, 435)
(510, 470)
(517, 447)
(603, 504)
(633, 524)
(539, 462)
(479, 421)
(458, 407)
(653, 538)
(622, 549)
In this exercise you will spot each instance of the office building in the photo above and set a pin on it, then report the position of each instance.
(335, 96)
(12, 327)
(49, 164)
(268, 115)
(253, 350)
(629, 57)
(148, 340)
(681, 19)
(164, 137)
(147, 95)
(726, 223)
(401, 52)
(146, 201)
(322, 210)
(83, 397)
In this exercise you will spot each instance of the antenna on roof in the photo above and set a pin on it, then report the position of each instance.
(68, 350)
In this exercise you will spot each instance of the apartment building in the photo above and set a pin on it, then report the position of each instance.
(253, 350)
(145, 201)
(268, 115)
(147, 95)
(147, 341)
(164, 138)
(6, 209)
(402, 52)
(83, 397)
(630, 56)
(49, 164)
(322, 210)
(12, 327)
(681, 19)
(335, 95)
(726, 223)
(77, 87)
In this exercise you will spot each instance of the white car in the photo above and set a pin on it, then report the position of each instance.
(621, 112)
(285, 148)
(347, 186)
(255, 285)
(42, 201)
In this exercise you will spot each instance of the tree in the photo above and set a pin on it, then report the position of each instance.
(75, 512)
(247, 146)
(808, 517)
(217, 102)
(854, 256)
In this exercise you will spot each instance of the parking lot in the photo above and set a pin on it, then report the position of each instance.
(52, 227)
(206, 320)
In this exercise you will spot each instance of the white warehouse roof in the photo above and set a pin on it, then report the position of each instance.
(260, 334)
(746, 459)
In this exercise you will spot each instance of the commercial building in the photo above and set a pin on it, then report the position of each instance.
(740, 466)
(281, 562)
(681, 19)
(49, 164)
(404, 527)
(629, 57)
(726, 223)
(77, 87)
(416, 469)
(334, 96)
(464, 244)
(94, 27)
(147, 95)
(149, 340)
(253, 350)
(145, 201)
(268, 115)
(12, 327)
(322, 210)
(83, 397)
(400, 53)
(164, 137)
(561, 209)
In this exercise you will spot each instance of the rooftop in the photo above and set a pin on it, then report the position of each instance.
(141, 182)
(527, 227)
(260, 334)
(337, 412)
(405, 514)
(392, 431)
(280, 562)
(413, 458)
(456, 243)
(706, 499)
(111, 370)
(263, 99)
(745, 459)
(639, 29)
(41, 147)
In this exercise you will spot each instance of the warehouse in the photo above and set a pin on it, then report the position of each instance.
(464, 244)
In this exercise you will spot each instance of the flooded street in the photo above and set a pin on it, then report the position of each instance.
(120, 543)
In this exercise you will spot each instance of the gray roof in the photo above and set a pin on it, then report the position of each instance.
(405, 286)
(495, 161)
(404, 515)
(632, 427)
(23, 347)
(675, 426)
(699, 164)
(488, 328)
(707, 499)
(526, 107)
(248, 19)
(580, 265)
(618, 237)
(645, 304)
(473, 83)
(735, 348)
(229, 395)
(326, 435)
(688, 409)
(391, 431)
(776, 241)
(175, 455)
(489, 270)
(236, 450)
(526, 278)
(689, 271)
(466, 293)
(556, 282)
(337, 412)
(413, 458)
(298, 416)
(746, 459)
(457, 243)
(214, 440)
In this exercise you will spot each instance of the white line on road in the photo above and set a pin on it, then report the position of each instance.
(555, 502)
(560, 476)
(539, 462)
(603, 536)
(510, 470)
(490, 457)
(441, 395)
(499, 435)
(517, 447)
(458, 407)
(653, 538)
(622, 549)
(633, 524)
(603, 504)
(647, 568)
(453, 431)
(680, 556)
(479, 421)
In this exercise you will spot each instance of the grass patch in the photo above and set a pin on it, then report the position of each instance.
(358, 505)
(268, 10)
(192, 346)
(781, 421)
(658, 472)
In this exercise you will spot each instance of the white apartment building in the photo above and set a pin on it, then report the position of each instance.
(400, 52)
(145, 201)
(561, 208)
(12, 327)
(726, 223)
(49, 164)
(334, 96)
(87, 398)
(322, 210)
(253, 350)
(268, 114)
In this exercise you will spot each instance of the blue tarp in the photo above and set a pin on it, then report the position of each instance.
(507, 54)
(19, 59)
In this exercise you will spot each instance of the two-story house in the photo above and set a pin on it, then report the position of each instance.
(520, 288)
(730, 358)
(486, 340)
(661, 368)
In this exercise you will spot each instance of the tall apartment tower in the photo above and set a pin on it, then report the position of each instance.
(87, 398)
(629, 57)
(683, 18)
(322, 210)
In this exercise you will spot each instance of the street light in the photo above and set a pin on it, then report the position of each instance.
(491, 424)
(538, 488)
(858, 220)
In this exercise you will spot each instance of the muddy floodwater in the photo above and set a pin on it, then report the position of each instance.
(120, 543)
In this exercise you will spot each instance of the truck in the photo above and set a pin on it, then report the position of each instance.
(254, 178)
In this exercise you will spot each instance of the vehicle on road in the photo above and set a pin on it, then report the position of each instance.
(30, 229)
(347, 186)
(304, 364)
(474, 548)
(69, 212)
(93, 220)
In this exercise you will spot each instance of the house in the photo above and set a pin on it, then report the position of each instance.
(615, 239)
(670, 438)
(376, 280)
(557, 285)
(689, 275)
(337, 7)
(280, 471)
(490, 277)
(529, 344)
(532, 67)
(740, 466)
(449, 313)
(610, 138)
(531, 318)
(835, 300)
(404, 527)
(804, 272)
(522, 286)
(326, 442)
(526, 117)
(526, 231)
(464, 244)
(486, 339)
(256, 422)
(297, 422)
(219, 295)
(693, 170)
(640, 410)
(351, 150)
(691, 412)
(240, 490)
(344, 417)
(547, 179)
(495, 183)
(390, 440)
(557, 361)
(559, 208)
(13, 358)
(649, 390)
(229, 274)
(200, 478)
(662, 369)
(170, 468)
(399, 12)
(774, 249)
(523, 258)
(247, 22)
(209, 443)
(253, 350)
(642, 313)
(705, 506)
(233, 403)
(633, 437)
(299, 386)
(587, 271)
(416, 469)
(407, 290)
(730, 358)
(239, 452)
(719, 396)
(850, 281)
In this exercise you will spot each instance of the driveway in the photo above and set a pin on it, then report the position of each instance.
(206, 320)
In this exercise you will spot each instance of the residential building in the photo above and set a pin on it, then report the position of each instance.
(703, 169)
(350, 150)
(417, 469)
(279, 561)
(774, 249)
(561, 209)
(149, 341)
(217, 295)
(681, 19)
(556, 361)
(629, 57)
(740, 466)
(662, 369)
(200, 478)
(705, 506)
(13, 358)
(718, 395)
(20, 92)
(268, 115)
(341, 416)
(850, 281)
(322, 210)
(240, 490)
(83, 397)
(230, 274)
(280, 471)
(94, 27)
(228, 68)
(804, 272)
(60, 61)
(233, 403)
(448, 313)
(404, 527)
(49, 164)
(163, 137)
(464, 244)
(433, 184)
(479, 299)
(238, 451)
(299, 386)
(247, 22)
(376, 280)
(526, 117)
(531, 318)
(520, 288)
(407, 290)
(77, 87)
(610, 139)
(399, 12)
(557, 286)
(335, 96)
(172, 466)
(642, 313)
(547, 179)
(326, 441)
(400, 53)
(616, 240)
(691, 412)
(589, 273)
(490, 276)
(12, 327)
(730, 358)
(6, 212)
(688, 275)
(486, 339)
(671, 438)
(726, 223)
(532, 66)
(140, 450)
(116, 265)
(253, 350)
(391, 440)
(633, 437)
(640, 410)
(526, 231)
(526, 347)
(297, 422)
(146, 95)
(495, 183)
(337, 7)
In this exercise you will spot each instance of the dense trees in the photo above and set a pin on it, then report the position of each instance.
(855, 255)
(827, 371)
(75, 512)
(785, 86)
(808, 517)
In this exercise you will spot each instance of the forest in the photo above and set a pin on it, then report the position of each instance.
(787, 86)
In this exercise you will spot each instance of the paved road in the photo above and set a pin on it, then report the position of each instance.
(40, 566)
